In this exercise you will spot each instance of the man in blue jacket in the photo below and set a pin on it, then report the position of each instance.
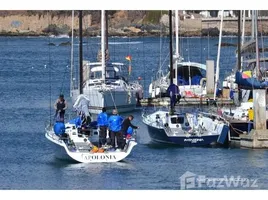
(102, 121)
(114, 123)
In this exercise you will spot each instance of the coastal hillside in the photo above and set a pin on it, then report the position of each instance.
(121, 23)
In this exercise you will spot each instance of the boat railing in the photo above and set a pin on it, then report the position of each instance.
(214, 116)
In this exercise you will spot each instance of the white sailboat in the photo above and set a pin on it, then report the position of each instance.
(104, 82)
(76, 139)
(189, 76)
(184, 128)
(246, 76)
(76, 142)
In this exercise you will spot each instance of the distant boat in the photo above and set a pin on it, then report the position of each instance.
(184, 128)
(191, 81)
(253, 72)
(106, 83)
(60, 36)
(190, 77)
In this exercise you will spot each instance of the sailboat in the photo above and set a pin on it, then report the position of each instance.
(104, 82)
(190, 76)
(248, 74)
(77, 139)
(184, 128)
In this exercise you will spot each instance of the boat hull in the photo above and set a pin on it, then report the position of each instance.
(62, 152)
(160, 136)
(123, 101)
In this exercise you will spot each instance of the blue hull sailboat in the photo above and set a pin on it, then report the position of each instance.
(182, 128)
(186, 129)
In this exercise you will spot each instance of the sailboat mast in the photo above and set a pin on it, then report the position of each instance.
(243, 27)
(80, 53)
(170, 47)
(177, 46)
(239, 42)
(103, 44)
(72, 56)
(257, 45)
(252, 24)
(106, 32)
(218, 59)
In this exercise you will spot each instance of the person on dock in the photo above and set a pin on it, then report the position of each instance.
(114, 125)
(102, 121)
(250, 114)
(60, 107)
(250, 119)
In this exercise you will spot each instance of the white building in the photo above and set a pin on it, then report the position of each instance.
(205, 14)
(225, 13)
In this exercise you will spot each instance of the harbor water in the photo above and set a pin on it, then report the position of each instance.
(32, 75)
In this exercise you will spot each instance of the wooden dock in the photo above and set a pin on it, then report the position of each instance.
(187, 101)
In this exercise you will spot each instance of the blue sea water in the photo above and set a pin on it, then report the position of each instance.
(33, 73)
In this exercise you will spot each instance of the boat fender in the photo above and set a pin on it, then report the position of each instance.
(203, 82)
(59, 128)
(94, 149)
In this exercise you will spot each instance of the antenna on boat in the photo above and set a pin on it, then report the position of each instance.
(80, 52)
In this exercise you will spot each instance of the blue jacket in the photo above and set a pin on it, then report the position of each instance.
(115, 122)
(102, 119)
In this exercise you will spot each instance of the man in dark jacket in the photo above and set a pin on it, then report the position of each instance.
(124, 127)
(103, 125)
(60, 107)
(173, 92)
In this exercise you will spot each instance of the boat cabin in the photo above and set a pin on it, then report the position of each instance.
(190, 73)
(113, 72)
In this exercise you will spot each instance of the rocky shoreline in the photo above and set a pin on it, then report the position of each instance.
(128, 32)
(121, 23)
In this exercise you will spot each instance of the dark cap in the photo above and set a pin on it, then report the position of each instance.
(61, 95)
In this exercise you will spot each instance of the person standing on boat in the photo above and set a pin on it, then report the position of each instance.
(102, 121)
(174, 93)
(60, 107)
(114, 124)
(124, 129)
